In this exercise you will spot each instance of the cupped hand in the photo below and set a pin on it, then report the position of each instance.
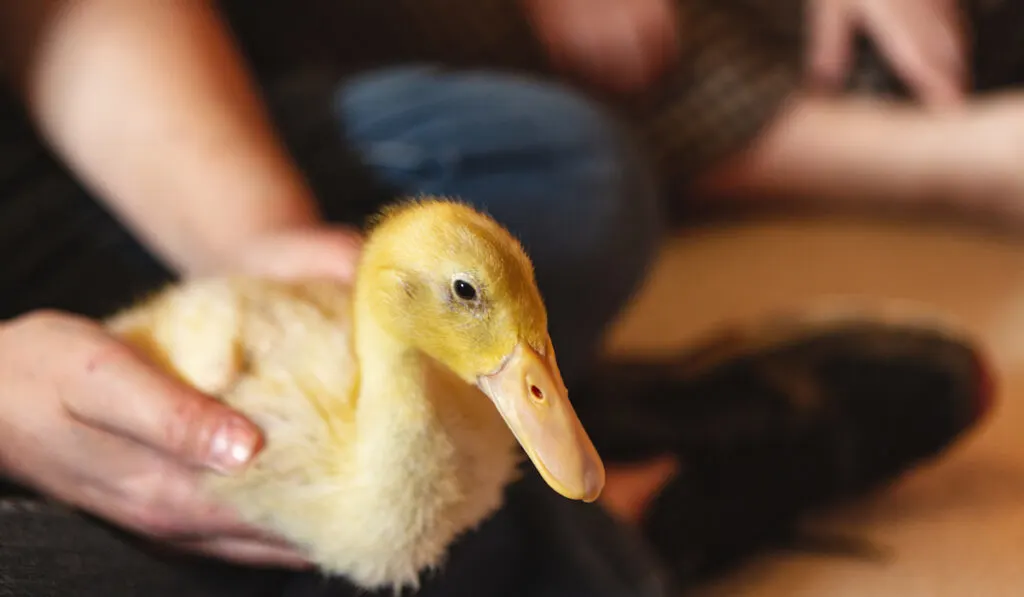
(923, 40)
(322, 251)
(622, 45)
(85, 420)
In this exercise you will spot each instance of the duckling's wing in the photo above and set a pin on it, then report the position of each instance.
(291, 340)
(298, 341)
(192, 331)
(297, 383)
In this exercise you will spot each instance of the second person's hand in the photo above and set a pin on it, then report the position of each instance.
(620, 45)
(923, 40)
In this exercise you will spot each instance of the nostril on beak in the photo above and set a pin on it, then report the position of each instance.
(537, 393)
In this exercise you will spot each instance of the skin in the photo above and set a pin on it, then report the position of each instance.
(620, 45)
(946, 151)
(893, 156)
(66, 433)
(625, 46)
(923, 40)
(211, 177)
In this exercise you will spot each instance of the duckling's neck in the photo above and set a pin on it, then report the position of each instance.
(406, 400)
(393, 376)
(430, 458)
(425, 432)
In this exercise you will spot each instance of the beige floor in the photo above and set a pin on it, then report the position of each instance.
(955, 528)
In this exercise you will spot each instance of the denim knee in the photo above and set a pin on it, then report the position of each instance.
(551, 166)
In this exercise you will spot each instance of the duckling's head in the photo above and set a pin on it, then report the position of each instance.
(452, 283)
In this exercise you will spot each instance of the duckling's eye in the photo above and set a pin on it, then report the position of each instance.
(464, 290)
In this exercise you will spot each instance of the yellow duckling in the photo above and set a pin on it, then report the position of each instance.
(381, 444)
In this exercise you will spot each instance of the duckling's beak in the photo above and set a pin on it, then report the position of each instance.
(529, 393)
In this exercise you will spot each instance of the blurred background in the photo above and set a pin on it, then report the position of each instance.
(950, 528)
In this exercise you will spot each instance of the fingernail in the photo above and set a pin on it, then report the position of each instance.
(233, 445)
(297, 562)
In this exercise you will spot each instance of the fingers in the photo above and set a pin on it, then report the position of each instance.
(247, 552)
(923, 40)
(657, 31)
(948, 41)
(633, 44)
(631, 488)
(323, 252)
(623, 46)
(616, 55)
(96, 457)
(628, 47)
(577, 42)
(829, 47)
(114, 390)
(166, 502)
(925, 43)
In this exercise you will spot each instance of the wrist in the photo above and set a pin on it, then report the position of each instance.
(228, 239)
(324, 251)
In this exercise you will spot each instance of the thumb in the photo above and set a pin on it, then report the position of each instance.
(121, 393)
(830, 40)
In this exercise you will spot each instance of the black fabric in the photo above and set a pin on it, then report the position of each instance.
(539, 545)
(549, 547)
(767, 436)
(49, 551)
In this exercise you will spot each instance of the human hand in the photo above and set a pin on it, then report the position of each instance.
(320, 251)
(86, 421)
(623, 45)
(924, 40)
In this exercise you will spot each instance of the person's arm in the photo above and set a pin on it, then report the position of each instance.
(150, 104)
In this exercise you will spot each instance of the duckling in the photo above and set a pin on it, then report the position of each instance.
(391, 408)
